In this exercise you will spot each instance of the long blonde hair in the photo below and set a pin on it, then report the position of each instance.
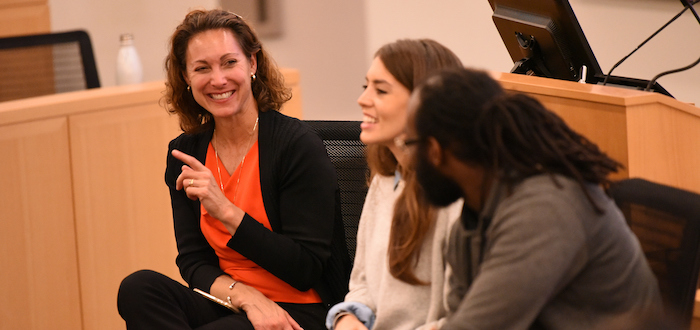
(409, 61)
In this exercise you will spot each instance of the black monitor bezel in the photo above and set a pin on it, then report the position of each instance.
(571, 35)
(563, 17)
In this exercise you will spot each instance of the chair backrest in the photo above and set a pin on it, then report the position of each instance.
(42, 64)
(347, 153)
(667, 222)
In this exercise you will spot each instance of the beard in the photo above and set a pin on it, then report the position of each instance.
(439, 189)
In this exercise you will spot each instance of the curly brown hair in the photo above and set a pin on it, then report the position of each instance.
(268, 89)
(409, 61)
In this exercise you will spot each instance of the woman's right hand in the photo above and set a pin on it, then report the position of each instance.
(349, 322)
(262, 312)
(199, 184)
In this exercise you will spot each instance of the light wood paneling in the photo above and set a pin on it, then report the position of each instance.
(39, 279)
(74, 103)
(603, 124)
(666, 145)
(123, 216)
(19, 3)
(24, 17)
(656, 137)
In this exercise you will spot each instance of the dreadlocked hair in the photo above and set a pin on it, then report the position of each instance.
(511, 133)
(530, 140)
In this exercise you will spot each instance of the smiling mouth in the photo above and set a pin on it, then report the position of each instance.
(369, 120)
(222, 95)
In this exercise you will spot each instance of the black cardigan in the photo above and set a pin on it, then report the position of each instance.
(306, 247)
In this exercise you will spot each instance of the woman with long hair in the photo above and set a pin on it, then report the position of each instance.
(253, 192)
(398, 276)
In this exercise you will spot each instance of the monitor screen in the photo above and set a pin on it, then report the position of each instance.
(545, 39)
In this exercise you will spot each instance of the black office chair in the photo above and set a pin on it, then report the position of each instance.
(667, 222)
(347, 153)
(42, 64)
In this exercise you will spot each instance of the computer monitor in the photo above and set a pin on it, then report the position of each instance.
(544, 38)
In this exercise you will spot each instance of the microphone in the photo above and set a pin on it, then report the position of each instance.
(688, 5)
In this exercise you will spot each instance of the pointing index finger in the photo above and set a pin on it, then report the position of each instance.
(189, 160)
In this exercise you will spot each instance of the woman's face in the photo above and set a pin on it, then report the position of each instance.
(383, 104)
(219, 73)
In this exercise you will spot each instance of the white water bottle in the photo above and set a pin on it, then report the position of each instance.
(129, 70)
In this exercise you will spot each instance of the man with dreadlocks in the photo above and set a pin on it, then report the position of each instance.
(540, 244)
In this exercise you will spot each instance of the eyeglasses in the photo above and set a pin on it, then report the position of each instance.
(405, 143)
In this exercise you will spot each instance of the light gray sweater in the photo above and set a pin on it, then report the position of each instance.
(396, 304)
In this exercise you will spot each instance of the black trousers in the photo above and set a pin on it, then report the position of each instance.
(150, 300)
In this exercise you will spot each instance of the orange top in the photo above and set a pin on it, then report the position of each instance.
(248, 196)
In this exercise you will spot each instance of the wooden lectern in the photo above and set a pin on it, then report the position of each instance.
(654, 136)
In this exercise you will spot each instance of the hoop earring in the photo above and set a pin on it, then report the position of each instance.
(253, 76)
(188, 88)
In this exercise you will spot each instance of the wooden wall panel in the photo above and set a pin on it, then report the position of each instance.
(656, 137)
(603, 124)
(664, 144)
(123, 215)
(20, 3)
(39, 281)
(24, 17)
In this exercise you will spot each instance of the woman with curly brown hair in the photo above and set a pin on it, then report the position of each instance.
(254, 196)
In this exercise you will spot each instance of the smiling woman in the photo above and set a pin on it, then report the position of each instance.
(220, 74)
(383, 105)
(397, 277)
(228, 195)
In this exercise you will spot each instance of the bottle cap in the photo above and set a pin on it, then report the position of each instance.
(126, 37)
